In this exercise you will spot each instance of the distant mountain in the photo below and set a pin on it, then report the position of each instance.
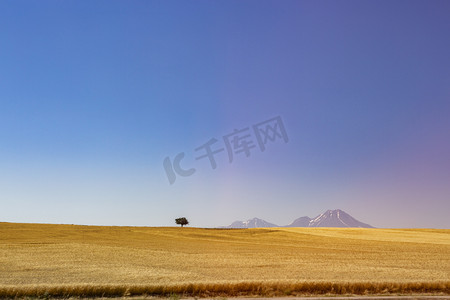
(330, 218)
(300, 222)
(252, 223)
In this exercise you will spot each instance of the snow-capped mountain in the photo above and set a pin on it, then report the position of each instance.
(252, 223)
(330, 218)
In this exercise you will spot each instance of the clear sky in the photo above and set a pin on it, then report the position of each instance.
(95, 95)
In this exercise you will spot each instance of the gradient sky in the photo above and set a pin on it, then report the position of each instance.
(94, 95)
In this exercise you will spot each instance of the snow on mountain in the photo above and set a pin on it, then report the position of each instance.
(336, 218)
(330, 218)
(252, 223)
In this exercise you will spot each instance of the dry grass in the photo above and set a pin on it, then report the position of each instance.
(63, 260)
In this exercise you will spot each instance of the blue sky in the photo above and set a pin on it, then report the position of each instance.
(94, 95)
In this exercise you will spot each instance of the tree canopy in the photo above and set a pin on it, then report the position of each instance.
(181, 221)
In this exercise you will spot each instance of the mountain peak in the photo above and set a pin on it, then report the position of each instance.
(251, 223)
(330, 218)
(336, 218)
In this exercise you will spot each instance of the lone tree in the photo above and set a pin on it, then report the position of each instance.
(182, 221)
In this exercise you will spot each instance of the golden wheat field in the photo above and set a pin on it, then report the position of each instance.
(71, 260)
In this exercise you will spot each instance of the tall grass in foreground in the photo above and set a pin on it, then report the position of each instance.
(41, 260)
(266, 289)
